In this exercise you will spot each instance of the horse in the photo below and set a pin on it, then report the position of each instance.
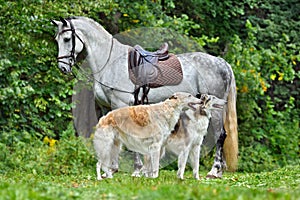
(81, 38)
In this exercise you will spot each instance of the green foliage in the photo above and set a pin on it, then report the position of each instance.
(268, 120)
(49, 156)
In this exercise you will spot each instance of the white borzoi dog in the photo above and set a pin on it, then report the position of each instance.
(143, 129)
(185, 141)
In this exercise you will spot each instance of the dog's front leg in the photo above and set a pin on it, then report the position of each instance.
(182, 159)
(194, 157)
(153, 164)
(98, 170)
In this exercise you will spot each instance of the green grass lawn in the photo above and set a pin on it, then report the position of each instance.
(283, 183)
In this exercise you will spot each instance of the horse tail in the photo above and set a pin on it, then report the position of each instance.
(230, 124)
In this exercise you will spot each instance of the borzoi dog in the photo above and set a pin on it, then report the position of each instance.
(143, 129)
(185, 141)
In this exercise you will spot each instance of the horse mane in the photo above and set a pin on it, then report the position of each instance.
(89, 20)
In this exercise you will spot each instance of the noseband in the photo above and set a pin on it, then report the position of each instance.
(72, 54)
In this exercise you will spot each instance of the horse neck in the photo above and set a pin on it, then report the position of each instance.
(98, 43)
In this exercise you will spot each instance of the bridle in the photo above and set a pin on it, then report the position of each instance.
(73, 37)
(72, 56)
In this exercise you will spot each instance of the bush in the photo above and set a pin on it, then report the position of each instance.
(268, 120)
(69, 155)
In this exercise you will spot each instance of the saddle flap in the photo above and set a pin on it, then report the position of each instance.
(151, 71)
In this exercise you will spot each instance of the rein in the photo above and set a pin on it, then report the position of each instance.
(72, 56)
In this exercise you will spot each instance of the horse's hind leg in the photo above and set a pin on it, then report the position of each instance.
(219, 161)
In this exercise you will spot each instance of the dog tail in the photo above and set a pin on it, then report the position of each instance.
(230, 124)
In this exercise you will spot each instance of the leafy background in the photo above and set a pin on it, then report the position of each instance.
(258, 38)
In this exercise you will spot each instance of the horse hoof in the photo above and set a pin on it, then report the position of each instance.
(209, 176)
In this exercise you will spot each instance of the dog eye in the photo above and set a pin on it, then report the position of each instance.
(67, 39)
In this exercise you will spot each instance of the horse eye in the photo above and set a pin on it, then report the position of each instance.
(67, 39)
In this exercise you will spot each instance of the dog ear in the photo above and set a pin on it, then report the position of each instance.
(173, 97)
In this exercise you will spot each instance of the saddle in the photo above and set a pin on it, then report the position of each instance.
(153, 69)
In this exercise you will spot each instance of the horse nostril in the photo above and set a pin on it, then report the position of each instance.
(63, 69)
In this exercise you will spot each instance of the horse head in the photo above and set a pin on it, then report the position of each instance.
(70, 44)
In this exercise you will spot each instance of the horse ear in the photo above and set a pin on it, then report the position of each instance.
(54, 22)
(63, 21)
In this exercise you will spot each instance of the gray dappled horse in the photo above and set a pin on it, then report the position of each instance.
(82, 38)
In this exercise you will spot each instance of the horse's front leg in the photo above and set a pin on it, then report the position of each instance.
(219, 161)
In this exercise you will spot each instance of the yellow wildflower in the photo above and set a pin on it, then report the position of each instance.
(135, 21)
(280, 76)
(294, 63)
(273, 76)
(46, 140)
(263, 85)
(52, 142)
(125, 15)
(244, 89)
(238, 63)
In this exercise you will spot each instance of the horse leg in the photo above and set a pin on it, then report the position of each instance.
(138, 164)
(136, 95)
(146, 90)
(219, 161)
(98, 111)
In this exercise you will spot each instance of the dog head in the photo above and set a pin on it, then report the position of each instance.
(207, 102)
(212, 102)
(187, 100)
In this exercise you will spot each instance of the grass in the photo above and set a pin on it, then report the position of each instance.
(283, 183)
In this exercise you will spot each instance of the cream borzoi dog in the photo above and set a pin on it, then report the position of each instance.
(143, 129)
(192, 126)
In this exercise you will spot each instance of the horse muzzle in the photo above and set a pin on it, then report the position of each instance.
(64, 67)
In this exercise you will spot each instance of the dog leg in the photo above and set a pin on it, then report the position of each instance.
(98, 170)
(155, 164)
(182, 159)
(194, 157)
(146, 168)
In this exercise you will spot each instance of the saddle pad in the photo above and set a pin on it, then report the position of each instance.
(167, 72)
